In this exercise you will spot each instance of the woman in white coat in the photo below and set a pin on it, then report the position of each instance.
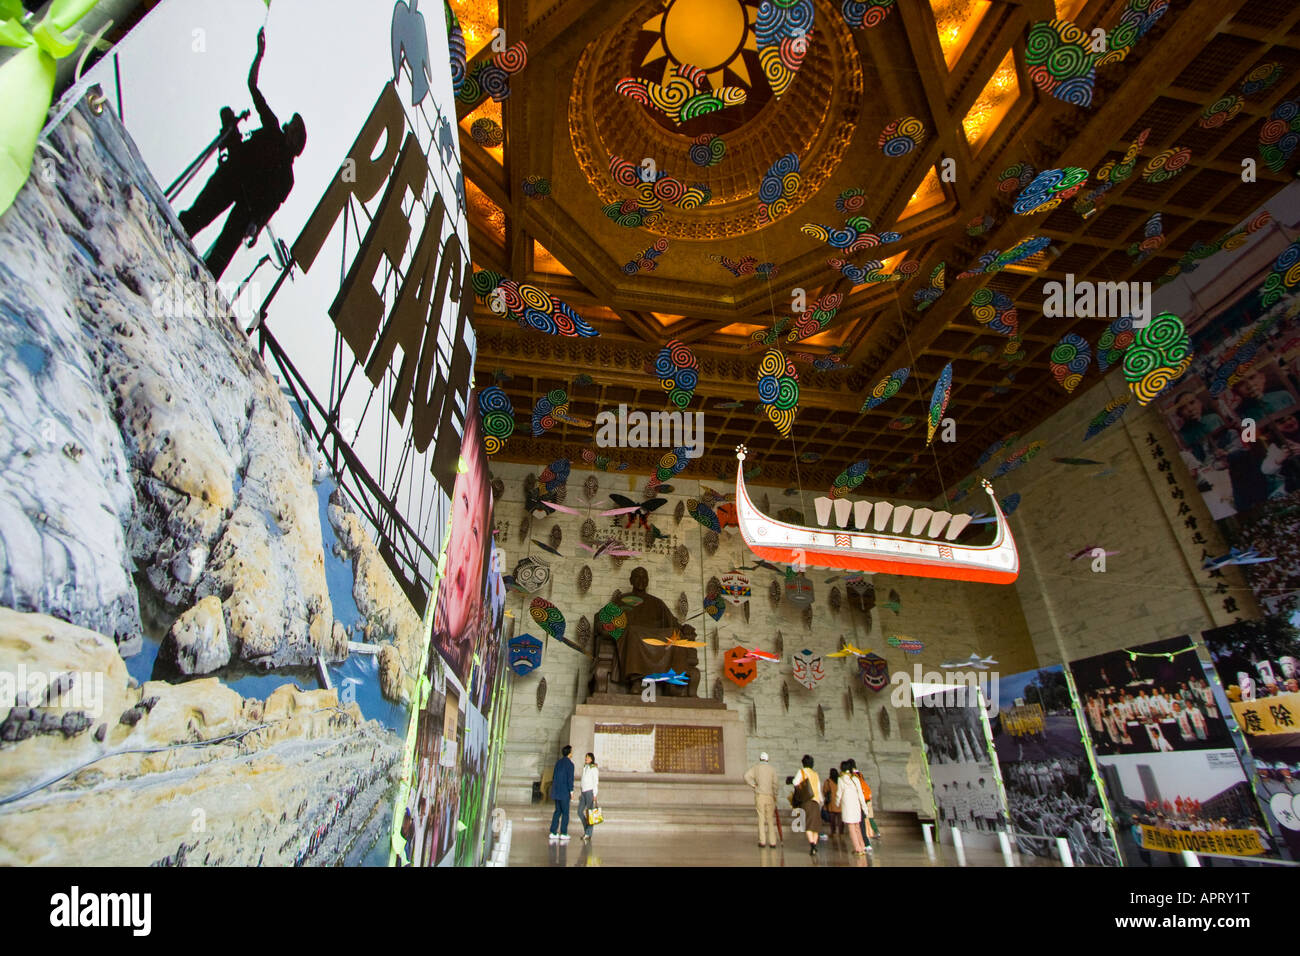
(853, 805)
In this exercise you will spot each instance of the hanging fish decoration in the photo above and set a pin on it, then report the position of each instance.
(785, 696)
(882, 716)
(556, 536)
(821, 721)
(683, 606)
(835, 600)
(524, 525)
(717, 688)
(588, 531)
(680, 511)
(681, 557)
(774, 593)
(848, 703)
(584, 632)
(590, 487)
(584, 580)
(498, 488)
(541, 693)
(807, 618)
(779, 644)
(711, 542)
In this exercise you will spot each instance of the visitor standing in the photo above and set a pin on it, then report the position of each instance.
(853, 808)
(590, 789)
(562, 794)
(831, 801)
(762, 780)
(807, 797)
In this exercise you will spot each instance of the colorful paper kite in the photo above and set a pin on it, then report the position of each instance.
(1015, 177)
(887, 388)
(498, 417)
(678, 372)
(529, 306)
(817, 318)
(901, 136)
(851, 201)
(1159, 355)
(603, 462)
(850, 478)
(939, 402)
(682, 96)
(1108, 416)
(778, 188)
(646, 260)
(1279, 136)
(652, 194)
(782, 30)
(455, 48)
(487, 132)
(1049, 189)
(535, 187)
(1069, 360)
(865, 13)
(1166, 164)
(1117, 337)
(548, 617)
(855, 236)
(745, 265)
(492, 77)
(612, 620)
(778, 390)
(1021, 456)
(924, 298)
(707, 150)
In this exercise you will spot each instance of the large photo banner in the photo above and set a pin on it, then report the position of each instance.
(963, 775)
(1166, 755)
(1235, 415)
(1257, 664)
(1051, 791)
(218, 545)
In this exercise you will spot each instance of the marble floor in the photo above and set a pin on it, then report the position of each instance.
(695, 846)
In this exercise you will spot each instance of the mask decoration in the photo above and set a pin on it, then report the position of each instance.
(525, 654)
(808, 668)
(798, 589)
(739, 672)
(863, 590)
(874, 671)
(735, 587)
(531, 575)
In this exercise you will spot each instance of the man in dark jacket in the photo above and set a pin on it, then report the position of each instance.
(255, 177)
(562, 794)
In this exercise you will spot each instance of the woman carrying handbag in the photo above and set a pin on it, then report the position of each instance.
(588, 809)
(807, 797)
(853, 808)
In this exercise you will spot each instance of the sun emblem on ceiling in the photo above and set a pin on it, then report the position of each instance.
(710, 35)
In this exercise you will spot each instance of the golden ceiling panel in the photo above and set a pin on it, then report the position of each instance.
(484, 213)
(956, 22)
(993, 103)
(544, 261)
(928, 195)
(478, 18)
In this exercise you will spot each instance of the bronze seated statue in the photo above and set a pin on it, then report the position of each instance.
(621, 663)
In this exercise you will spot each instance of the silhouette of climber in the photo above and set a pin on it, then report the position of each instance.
(254, 175)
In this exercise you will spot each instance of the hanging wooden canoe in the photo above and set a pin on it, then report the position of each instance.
(856, 549)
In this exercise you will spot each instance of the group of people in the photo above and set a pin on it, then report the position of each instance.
(842, 801)
(1057, 798)
(562, 781)
(1184, 713)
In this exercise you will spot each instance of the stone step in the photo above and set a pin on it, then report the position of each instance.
(897, 826)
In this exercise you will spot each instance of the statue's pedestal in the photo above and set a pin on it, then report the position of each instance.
(675, 761)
